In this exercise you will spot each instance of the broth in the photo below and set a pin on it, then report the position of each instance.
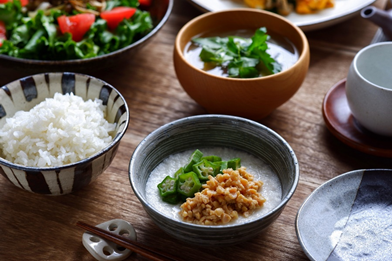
(280, 48)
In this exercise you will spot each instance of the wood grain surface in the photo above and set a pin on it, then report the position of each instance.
(36, 227)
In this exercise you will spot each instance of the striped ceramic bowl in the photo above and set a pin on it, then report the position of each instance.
(25, 93)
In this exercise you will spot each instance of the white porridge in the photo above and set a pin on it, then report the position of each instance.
(271, 189)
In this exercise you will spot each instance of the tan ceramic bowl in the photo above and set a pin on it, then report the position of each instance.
(253, 98)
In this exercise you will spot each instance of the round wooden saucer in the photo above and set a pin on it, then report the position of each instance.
(341, 123)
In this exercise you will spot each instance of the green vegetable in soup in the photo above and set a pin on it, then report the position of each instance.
(242, 57)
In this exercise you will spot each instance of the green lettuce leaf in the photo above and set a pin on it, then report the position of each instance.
(11, 14)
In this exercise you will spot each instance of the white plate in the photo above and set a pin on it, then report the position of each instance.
(348, 218)
(343, 10)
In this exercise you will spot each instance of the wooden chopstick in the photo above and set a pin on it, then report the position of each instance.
(128, 243)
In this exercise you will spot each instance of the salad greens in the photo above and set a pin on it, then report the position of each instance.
(240, 56)
(38, 37)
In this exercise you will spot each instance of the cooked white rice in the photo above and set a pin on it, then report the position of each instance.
(58, 131)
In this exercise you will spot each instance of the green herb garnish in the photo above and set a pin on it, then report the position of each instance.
(241, 57)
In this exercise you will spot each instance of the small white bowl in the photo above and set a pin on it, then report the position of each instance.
(369, 88)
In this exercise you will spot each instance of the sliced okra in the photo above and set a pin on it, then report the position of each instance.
(188, 184)
(234, 163)
(193, 159)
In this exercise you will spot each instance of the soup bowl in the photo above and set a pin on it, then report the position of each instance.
(25, 93)
(253, 98)
(225, 131)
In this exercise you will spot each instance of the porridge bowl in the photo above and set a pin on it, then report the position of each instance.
(59, 131)
(263, 152)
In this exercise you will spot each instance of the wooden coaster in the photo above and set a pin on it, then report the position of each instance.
(342, 124)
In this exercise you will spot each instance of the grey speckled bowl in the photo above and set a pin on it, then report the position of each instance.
(208, 131)
(27, 92)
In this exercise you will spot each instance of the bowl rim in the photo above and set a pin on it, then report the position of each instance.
(272, 212)
(100, 57)
(360, 75)
(304, 52)
(114, 142)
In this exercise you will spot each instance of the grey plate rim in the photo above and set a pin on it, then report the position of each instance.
(352, 173)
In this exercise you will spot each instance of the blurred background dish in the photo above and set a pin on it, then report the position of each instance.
(342, 11)
(159, 10)
(206, 131)
(25, 93)
(253, 98)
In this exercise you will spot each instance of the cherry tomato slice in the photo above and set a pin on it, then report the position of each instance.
(23, 2)
(145, 2)
(3, 32)
(116, 15)
(77, 25)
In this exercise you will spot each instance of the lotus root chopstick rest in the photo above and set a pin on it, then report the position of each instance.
(105, 250)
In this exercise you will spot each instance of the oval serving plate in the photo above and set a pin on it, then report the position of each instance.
(348, 218)
(343, 10)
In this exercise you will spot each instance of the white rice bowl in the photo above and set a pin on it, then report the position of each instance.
(58, 131)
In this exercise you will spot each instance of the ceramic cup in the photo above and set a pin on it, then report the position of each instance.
(369, 88)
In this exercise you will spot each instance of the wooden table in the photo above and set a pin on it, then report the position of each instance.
(36, 227)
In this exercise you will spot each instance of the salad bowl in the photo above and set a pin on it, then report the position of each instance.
(159, 10)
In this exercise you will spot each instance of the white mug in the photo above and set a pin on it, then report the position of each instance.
(369, 88)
